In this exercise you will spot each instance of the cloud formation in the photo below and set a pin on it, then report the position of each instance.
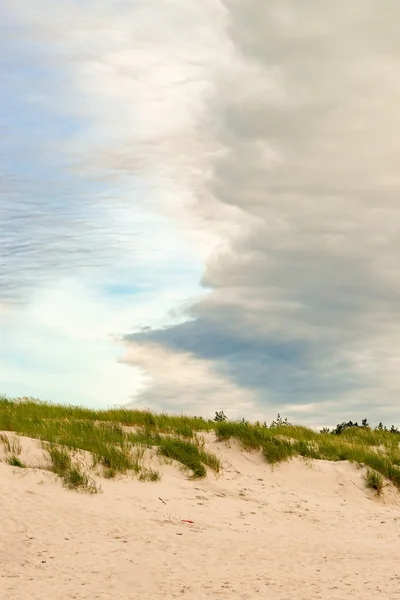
(180, 381)
(305, 295)
(80, 236)
(74, 195)
(266, 133)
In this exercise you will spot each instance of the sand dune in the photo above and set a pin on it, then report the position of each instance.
(303, 530)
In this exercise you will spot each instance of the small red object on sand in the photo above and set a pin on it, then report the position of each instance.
(187, 521)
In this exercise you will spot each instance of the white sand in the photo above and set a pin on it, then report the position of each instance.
(300, 532)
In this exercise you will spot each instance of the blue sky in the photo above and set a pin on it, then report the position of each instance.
(199, 206)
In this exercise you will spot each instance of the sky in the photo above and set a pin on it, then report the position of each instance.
(199, 206)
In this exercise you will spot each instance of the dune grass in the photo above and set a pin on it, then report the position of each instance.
(149, 475)
(376, 449)
(11, 444)
(12, 447)
(34, 409)
(117, 441)
(71, 473)
(374, 481)
(105, 435)
(190, 453)
(15, 461)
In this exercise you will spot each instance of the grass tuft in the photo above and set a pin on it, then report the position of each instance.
(276, 450)
(374, 481)
(71, 474)
(149, 475)
(14, 461)
(11, 444)
(188, 454)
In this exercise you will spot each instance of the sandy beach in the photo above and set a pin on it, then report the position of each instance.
(304, 530)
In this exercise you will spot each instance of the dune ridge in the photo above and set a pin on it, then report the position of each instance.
(303, 528)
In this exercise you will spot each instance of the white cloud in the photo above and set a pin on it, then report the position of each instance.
(307, 116)
(270, 130)
(179, 382)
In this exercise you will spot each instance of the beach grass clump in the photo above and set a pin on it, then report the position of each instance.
(373, 438)
(60, 459)
(75, 479)
(71, 473)
(189, 454)
(184, 430)
(13, 448)
(249, 436)
(374, 481)
(183, 452)
(115, 459)
(307, 449)
(11, 444)
(277, 450)
(149, 475)
(15, 461)
(254, 436)
(144, 436)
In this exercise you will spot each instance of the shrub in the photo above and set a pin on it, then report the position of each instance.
(279, 422)
(220, 416)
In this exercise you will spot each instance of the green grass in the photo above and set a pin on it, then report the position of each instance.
(149, 475)
(276, 450)
(189, 455)
(253, 437)
(187, 452)
(117, 439)
(14, 461)
(34, 409)
(11, 444)
(71, 474)
(374, 481)
(249, 437)
(378, 450)
(104, 435)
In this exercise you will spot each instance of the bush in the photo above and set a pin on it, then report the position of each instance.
(220, 416)
(279, 422)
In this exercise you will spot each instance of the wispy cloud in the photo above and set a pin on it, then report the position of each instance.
(180, 381)
(75, 229)
(250, 144)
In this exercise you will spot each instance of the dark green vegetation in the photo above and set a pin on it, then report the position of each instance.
(118, 439)
(14, 461)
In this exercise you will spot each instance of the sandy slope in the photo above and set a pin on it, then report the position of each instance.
(303, 531)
